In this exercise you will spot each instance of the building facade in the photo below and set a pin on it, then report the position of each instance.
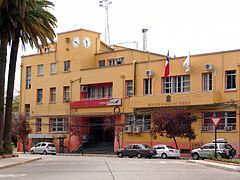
(82, 88)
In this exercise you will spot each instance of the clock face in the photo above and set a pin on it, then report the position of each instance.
(86, 42)
(76, 42)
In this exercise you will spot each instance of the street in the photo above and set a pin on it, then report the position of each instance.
(110, 168)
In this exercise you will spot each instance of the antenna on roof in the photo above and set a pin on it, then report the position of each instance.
(144, 31)
(105, 4)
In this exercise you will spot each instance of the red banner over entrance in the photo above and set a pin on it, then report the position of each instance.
(96, 103)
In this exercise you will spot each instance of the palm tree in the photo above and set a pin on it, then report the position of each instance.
(34, 27)
(7, 25)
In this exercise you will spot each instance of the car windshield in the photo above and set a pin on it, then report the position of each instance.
(170, 147)
(146, 146)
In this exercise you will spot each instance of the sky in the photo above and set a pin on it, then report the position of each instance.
(180, 26)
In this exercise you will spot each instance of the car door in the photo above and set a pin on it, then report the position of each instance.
(205, 151)
(135, 150)
(160, 150)
(37, 148)
(42, 147)
(127, 150)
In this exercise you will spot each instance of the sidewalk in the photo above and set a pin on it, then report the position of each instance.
(216, 164)
(14, 161)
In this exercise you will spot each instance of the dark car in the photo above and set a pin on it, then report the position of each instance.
(137, 150)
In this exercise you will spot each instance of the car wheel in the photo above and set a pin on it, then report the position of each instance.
(45, 152)
(120, 155)
(32, 152)
(139, 155)
(219, 155)
(164, 156)
(195, 156)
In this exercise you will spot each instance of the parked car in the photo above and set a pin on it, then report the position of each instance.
(44, 148)
(165, 151)
(224, 150)
(137, 150)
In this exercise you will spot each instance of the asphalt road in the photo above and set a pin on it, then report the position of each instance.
(106, 168)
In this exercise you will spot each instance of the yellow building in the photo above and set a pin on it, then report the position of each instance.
(79, 83)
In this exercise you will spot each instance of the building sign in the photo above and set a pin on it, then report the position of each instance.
(96, 103)
(180, 103)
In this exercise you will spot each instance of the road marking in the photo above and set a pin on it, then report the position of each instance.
(11, 175)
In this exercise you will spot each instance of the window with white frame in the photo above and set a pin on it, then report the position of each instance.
(227, 122)
(28, 77)
(40, 70)
(207, 82)
(101, 92)
(101, 63)
(230, 79)
(119, 60)
(58, 124)
(111, 62)
(67, 66)
(66, 93)
(141, 121)
(129, 88)
(92, 93)
(147, 86)
(176, 84)
(53, 94)
(39, 95)
(53, 68)
(38, 124)
(109, 91)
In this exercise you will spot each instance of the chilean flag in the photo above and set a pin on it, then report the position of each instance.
(167, 66)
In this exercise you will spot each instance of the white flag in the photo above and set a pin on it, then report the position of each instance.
(186, 64)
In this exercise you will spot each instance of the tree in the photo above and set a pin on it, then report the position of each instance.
(173, 123)
(35, 26)
(21, 128)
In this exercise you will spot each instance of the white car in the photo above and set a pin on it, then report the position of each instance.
(165, 151)
(44, 148)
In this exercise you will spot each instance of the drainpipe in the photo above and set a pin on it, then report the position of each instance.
(134, 77)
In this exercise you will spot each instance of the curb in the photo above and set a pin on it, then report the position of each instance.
(19, 163)
(88, 155)
(216, 165)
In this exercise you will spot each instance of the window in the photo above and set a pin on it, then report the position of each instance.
(39, 95)
(109, 91)
(207, 82)
(58, 124)
(28, 77)
(227, 122)
(142, 121)
(231, 79)
(111, 62)
(101, 63)
(101, 92)
(53, 68)
(177, 84)
(66, 93)
(38, 124)
(120, 60)
(129, 88)
(27, 110)
(91, 93)
(67, 66)
(147, 86)
(40, 70)
(52, 94)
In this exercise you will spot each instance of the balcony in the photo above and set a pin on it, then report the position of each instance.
(178, 99)
(88, 103)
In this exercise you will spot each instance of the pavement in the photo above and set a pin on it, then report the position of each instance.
(11, 161)
(23, 159)
(217, 164)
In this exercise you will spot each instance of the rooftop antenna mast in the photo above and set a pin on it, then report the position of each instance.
(105, 4)
(144, 31)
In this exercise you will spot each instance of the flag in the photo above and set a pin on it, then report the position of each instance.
(186, 64)
(167, 66)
